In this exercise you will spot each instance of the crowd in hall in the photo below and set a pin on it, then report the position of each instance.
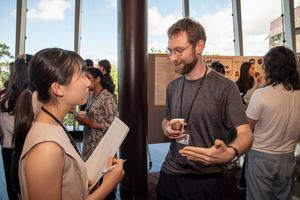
(211, 121)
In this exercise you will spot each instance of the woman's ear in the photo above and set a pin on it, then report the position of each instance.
(57, 89)
(98, 79)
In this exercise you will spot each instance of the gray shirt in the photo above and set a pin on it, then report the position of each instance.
(217, 109)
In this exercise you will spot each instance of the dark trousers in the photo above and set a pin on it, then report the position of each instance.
(7, 162)
(190, 187)
(242, 182)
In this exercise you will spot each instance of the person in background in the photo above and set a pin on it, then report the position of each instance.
(218, 67)
(17, 82)
(210, 105)
(101, 109)
(248, 81)
(105, 67)
(50, 165)
(89, 63)
(273, 113)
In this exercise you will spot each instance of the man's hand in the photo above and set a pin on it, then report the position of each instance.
(217, 154)
(171, 133)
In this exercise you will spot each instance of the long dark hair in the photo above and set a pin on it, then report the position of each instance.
(245, 81)
(46, 67)
(108, 79)
(17, 82)
(280, 65)
(95, 72)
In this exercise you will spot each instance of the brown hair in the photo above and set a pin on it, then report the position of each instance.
(194, 30)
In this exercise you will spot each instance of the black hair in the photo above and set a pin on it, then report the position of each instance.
(89, 63)
(95, 72)
(106, 64)
(280, 65)
(46, 67)
(17, 82)
(218, 67)
(28, 58)
(245, 81)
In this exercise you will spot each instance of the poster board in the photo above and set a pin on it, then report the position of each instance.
(164, 71)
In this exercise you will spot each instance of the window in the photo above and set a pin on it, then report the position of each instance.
(260, 25)
(216, 18)
(49, 24)
(7, 38)
(99, 33)
(99, 30)
(297, 24)
(161, 15)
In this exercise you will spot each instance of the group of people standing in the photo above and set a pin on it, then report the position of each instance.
(212, 106)
(46, 160)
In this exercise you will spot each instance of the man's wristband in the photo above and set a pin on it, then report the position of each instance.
(236, 152)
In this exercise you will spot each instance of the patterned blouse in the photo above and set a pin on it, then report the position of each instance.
(101, 108)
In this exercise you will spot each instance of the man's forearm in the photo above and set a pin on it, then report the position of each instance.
(244, 139)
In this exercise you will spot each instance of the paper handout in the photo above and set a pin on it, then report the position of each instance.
(106, 148)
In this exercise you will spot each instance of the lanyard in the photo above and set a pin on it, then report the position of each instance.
(66, 131)
(196, 94)
(93, 101)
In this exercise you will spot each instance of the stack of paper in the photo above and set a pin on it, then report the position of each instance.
(107, 148)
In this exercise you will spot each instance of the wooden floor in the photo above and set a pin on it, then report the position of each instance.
(231, 177)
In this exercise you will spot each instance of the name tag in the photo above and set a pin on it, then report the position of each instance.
(185, 140)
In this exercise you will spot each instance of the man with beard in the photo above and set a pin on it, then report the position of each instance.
(210, 105)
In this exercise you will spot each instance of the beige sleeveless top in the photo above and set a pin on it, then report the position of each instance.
(75, 181)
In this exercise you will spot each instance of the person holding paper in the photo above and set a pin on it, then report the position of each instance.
(210, 105)
(50, 165)
(101, 109)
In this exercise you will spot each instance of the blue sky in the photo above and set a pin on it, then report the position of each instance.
(51, 23)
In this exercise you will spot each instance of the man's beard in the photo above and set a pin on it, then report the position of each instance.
(188, 67)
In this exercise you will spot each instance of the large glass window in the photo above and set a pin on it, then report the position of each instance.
(262, 26)
(7, 37)
(99, 33)
(50, 23)
(161, 15)
(297, 24)
(99, 30)
(216, 17)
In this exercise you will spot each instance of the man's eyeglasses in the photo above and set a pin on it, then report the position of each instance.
(177, 51)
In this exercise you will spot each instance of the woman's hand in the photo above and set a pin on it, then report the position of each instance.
(112, 178)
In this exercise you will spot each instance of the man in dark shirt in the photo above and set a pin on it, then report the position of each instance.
(210, 105)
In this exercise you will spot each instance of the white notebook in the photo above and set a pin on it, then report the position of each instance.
(107, 147)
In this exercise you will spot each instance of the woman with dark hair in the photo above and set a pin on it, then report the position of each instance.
(101, 109)
(17, 82)
(105, 67)
(273, 113)
(247, 81)
(50, 165)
